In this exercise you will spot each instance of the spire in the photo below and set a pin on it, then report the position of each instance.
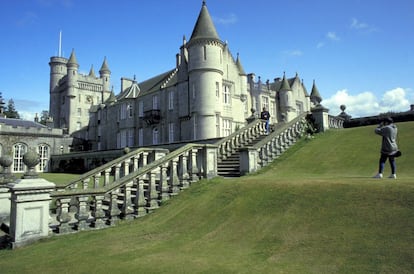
(92, 72)
(285, 84)
(204, 27)
(239, 65)
(72, 58)
(104, 67)
(315, 95)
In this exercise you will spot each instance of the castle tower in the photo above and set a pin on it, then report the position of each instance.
(57, 71)
(70, 104)
(205, 59)
(287, 104)
(105, 75)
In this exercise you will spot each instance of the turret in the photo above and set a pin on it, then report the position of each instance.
(58, 70)
(205, 62)
(315, 96)
(105, 75)
(72, 67)
(287, 103)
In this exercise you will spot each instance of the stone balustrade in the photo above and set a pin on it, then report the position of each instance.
(133, 195)
(336, 122)
(116, 169)
(253, 158)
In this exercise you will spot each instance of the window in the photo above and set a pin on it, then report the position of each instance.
(265, 102)
(155, 136)
(78, 125)
(130, 111)
(205, 53)
(171, 132)
(123, 112)
(226, 127)
(79, 112)
(155, 102)
(226, 95)
(141, 109)
(299, 107)
(217, 89)
(18, 151)
(130, 137)
(217, 125)
(171, 100)
(43, 151)
(140, 137)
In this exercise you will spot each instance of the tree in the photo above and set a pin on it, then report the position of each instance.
(11, 111)
(2, 103)
(44, 116)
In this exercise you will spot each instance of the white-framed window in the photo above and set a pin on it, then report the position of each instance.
(44, 152)
(171, 132)
(217, 125)
(130, 137)
(141, 109)
(226, 127)
(171, 100)
(140, 137)
(226, 95)
(155, 136)
(217, 89)
(155, 102)
(265, 102)
(18, 151)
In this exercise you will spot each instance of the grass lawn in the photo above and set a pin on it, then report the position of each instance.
(314, 210)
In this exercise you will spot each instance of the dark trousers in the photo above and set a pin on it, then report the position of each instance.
(382, 161)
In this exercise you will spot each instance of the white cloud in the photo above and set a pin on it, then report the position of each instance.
(332, 36)
(320, 45)
(356, 24)
(294, 52)
(230, 19)
(367, 104)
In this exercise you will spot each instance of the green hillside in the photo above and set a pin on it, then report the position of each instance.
(315, 210)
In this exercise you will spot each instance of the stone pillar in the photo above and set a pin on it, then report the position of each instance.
(4, 203)
(210, 161)
(320, 114)
(29, 216)
(248, 160)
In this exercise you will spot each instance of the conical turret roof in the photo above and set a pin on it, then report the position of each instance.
(285, 84)
(204, 27)
(315, 95)
(239, 66)
(92, 72)
(104, 67)
(72, 59)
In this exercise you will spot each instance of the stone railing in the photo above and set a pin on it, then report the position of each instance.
(252, 158)
(242, 137)
(335, 121)
(115, 169)
(133, 195)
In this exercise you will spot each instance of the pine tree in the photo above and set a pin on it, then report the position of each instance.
(2, 103)
(11, 111)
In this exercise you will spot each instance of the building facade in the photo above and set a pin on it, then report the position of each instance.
(206, 95)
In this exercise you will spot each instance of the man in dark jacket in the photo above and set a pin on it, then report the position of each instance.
(265, 115)
(389, 147)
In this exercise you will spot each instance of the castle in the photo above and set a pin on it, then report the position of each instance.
(206, 95)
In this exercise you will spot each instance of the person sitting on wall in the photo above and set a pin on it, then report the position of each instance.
(265, 115)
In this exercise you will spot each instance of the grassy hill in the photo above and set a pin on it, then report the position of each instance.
(314, 210)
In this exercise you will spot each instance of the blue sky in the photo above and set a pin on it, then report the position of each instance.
(359, 52)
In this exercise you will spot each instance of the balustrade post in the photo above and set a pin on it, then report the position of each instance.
(63, 216)
(113, 208)
(98, 213)
(164, 187)
(140, 202)
(152, 195)
(127, 209)
(193, 165)
(96, 179)
(184, 173)
(82, 213)
(85, 183)
(117, 171)
(107, 176)
(126, 166)
(136, 160)
(174, 181)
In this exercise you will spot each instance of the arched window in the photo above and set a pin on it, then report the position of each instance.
(18, 151)
(44, 152)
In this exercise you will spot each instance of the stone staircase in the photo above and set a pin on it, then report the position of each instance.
(230, 166)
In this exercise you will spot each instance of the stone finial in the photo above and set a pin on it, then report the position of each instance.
(31, 159)
(6, 176)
